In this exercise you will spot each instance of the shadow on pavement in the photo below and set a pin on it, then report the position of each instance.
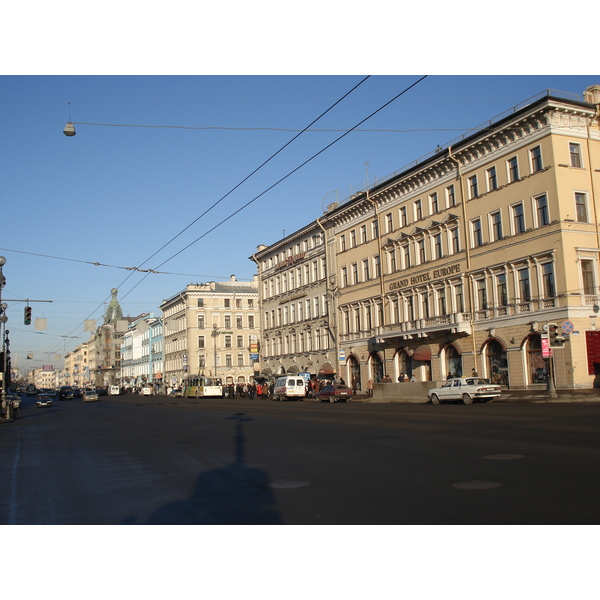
(232, 495)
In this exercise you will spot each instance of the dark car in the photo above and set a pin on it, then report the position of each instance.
(44, 400)
(334, 392)
(66, 393)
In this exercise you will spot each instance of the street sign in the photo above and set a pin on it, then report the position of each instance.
(567, 326)
(546, 350)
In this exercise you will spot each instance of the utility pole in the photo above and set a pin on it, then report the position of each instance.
(7, 405)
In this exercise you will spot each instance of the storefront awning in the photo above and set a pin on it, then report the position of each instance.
(326, 369)
(267, 371)
(423, 352)
(293, 369)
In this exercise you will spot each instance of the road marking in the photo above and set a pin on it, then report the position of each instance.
(503, 456)
(476, 485)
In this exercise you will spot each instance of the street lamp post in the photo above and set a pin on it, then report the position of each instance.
(3, 318)
(215, 333)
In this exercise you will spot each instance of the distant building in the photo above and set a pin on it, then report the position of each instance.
(211, 329)
(142, 353)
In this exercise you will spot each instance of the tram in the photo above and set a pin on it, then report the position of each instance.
(202, 387)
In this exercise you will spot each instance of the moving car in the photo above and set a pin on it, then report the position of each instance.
(334, 392)
(90, 396)
(43, 400)
(146, 391)
(114, 390)
(66, 393)
(466, 389)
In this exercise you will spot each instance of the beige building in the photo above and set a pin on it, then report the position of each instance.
(211, 329)
(298, 333)
(459, 262)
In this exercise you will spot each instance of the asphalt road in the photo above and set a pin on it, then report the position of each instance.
(139, 460)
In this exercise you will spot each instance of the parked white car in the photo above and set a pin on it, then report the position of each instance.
(146, 391)
(466, 389)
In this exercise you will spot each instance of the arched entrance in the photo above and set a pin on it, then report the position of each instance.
(452, 362)
(403, 363)
(353, 373)
(496, 362)
(376, 368)
(536, 369)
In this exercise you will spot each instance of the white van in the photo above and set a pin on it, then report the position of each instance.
(114, 390)
(290, 386)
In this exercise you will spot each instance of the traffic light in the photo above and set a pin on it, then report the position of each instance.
(27, 317)
(555, 338)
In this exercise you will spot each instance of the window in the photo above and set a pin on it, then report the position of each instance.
(240, 341)
(501, 290)
(406, 255)
(425, 305)
(389, 223)
(450, 197)
(541, 210)
(366, 270)
(353, 239)
(228, 361)
(477, 239)
(344, 276)
(240, 360)
(377, 264)
(363, 234)
(342, 243)
(227, 341)
(238, 303)
(455, 240)
(392, 256)
(518, 218)
(418, 210)
(548, 287)
(437, 245)
(238, 322)
(403, 219)
(441, 295)
(496, 225)
(581, 207)
(201, 341)
(536, 159)
(481, 294)
(227, 302)
(459, 298)
(354, 273)
(513, 169)
(473, 189)
(200, 321)
(251, 321)
(575, 155)
(375, 229)
(251, 301)
(587, 277)
(200, 302)
(433, 203)
(524, 290)
(492, 180)
(227, 323)
(421, 251)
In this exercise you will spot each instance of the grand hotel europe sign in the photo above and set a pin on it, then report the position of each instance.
(425, 277)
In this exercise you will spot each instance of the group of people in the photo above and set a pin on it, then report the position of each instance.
(248, 390)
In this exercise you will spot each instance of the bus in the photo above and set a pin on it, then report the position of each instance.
(202, 387)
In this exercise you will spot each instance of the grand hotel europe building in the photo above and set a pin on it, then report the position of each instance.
(457, 262)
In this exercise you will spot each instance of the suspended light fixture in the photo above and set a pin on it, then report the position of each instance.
(69, 129)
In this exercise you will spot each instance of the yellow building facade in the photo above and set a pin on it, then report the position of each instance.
(460, 262)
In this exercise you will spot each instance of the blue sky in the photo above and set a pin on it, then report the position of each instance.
(152, 153)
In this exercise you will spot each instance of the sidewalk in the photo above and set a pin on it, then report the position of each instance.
(515, 396)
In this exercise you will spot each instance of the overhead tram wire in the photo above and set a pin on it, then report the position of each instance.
(138, 269)
(282, 179)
